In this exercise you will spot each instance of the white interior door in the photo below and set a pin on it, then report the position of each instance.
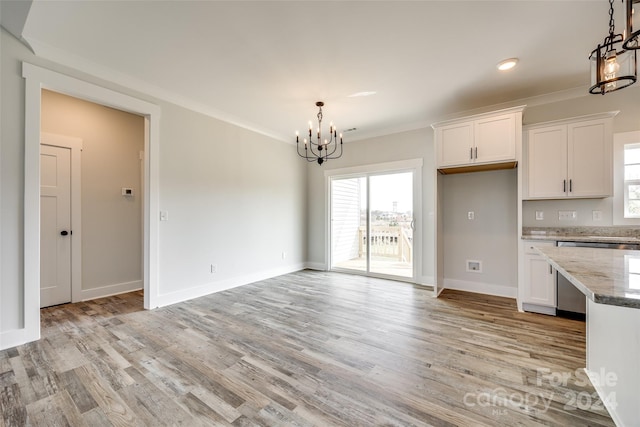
(55, 225)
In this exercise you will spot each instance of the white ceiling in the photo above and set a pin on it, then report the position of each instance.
(264, 64)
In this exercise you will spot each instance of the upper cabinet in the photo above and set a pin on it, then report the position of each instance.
(569, 158)
(481, 142)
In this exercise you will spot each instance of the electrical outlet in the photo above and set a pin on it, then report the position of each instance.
(567, 215)
(474, 266)
(471, 215)
(214, 268)
(597, 215)
(539, 215)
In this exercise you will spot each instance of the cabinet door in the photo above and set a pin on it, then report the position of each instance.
(539, 277)
(539, 282)
(547, 162)
(589, 159)
(495, 139)
(454, 144)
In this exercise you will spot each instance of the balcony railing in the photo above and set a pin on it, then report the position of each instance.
(387, 241)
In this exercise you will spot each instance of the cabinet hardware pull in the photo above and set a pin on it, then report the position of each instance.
(570, 185)
(550, 269)
(471, 153)
(564, 185)
(476, 153)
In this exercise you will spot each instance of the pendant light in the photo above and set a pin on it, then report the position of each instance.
(612, 67)
(322, 149)
(632, 40)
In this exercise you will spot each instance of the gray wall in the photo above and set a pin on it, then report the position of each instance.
(491, 237)
(234, 197)
(111, 223)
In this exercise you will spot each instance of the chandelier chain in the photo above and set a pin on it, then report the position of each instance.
(612, 25)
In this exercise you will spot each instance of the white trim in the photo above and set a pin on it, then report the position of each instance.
(619, 141)
(374, 168)
(75, 145)
(481, 288)
(466, 118)
(223, 285)
(410, 165)
(315, 266)
(109, 290)
(38, 78)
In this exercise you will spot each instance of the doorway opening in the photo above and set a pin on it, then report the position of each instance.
(91, 237)
(36, 79)
(372, 223)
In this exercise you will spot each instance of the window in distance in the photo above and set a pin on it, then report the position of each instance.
(632, 180)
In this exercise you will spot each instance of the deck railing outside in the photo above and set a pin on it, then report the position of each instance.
(387, 241)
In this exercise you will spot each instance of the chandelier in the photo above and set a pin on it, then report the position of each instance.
(632, 42)
(612, 69)
(321, 149)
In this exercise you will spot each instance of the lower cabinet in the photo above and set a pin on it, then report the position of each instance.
(539, 287)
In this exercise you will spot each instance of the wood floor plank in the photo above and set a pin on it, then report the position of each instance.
(307, 349)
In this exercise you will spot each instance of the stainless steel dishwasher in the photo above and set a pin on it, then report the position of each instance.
(570, 301)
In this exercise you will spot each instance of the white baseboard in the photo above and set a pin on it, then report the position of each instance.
(107, 291)
(223, 285)
(596, 379)
(481, 288)
(16, 337)
(315, 266)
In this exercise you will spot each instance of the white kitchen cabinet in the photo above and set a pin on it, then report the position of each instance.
(570, 158)
(483, 139)
(539, 287)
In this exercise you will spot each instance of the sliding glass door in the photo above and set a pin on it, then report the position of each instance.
(372, 224)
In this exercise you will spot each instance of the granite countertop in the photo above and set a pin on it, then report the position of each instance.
(606, 276)
(583, 234)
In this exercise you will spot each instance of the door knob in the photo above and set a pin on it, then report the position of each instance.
(64, 232)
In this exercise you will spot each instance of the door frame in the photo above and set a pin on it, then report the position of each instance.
(414, 165)
(75, 145)
(36, 79)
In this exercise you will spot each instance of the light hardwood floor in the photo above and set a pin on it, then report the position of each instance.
(304, 349)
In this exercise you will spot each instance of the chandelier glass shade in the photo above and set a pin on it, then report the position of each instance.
(322, 149)
(612, 67)
(632, 33)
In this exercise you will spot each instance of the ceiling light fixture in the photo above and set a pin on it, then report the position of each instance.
(321, 150)
(612, 69)
(507, 64)
(632, 42)
(359, 94)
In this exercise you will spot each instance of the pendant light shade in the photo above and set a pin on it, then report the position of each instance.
(632, 33)
(612, 67)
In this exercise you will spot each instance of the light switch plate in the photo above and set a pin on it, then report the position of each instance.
(539, 215)
(164, 215)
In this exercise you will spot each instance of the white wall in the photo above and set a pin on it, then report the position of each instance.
(234, 197)
(111, 223)
(417, 144)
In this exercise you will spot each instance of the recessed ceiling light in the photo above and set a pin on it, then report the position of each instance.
(366, 93)
(507, 64)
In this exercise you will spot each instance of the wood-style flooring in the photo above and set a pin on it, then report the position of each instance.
(304, 349)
